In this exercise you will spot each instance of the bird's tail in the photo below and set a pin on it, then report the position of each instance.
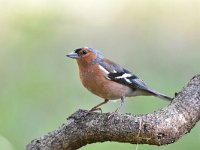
(164, 97)
(159, 95)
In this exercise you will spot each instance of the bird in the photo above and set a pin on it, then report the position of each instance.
(108, 79)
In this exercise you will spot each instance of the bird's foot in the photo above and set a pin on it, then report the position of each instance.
(112, 114)
(94, 109)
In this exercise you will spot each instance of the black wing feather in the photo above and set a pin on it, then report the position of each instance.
(116, 71)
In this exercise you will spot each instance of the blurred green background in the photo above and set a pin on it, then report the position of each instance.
(39, 86)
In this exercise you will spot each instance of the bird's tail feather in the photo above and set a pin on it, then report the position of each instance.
(159, 95)
(164, 97)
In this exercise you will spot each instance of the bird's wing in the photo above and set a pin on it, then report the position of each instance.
(118, 74)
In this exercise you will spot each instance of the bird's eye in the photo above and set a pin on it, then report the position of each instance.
(83, 52)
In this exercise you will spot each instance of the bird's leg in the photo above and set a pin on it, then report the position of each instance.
(118, 108)
(121, 104)
(97, 106)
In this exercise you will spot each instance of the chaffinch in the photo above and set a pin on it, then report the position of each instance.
(107, 79)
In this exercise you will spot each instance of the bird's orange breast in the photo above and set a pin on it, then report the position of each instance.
(95, 81)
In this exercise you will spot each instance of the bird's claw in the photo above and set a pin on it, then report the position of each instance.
(112, 114)
(96, 109)
(92, 110)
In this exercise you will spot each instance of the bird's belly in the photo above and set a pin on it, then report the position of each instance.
(105, 88)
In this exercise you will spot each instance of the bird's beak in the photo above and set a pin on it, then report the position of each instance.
(73, 55)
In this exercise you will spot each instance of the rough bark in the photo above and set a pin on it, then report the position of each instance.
(161, 127)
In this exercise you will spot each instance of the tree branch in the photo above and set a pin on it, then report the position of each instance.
(161, 127)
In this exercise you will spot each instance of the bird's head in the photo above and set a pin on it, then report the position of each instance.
(86, 55)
